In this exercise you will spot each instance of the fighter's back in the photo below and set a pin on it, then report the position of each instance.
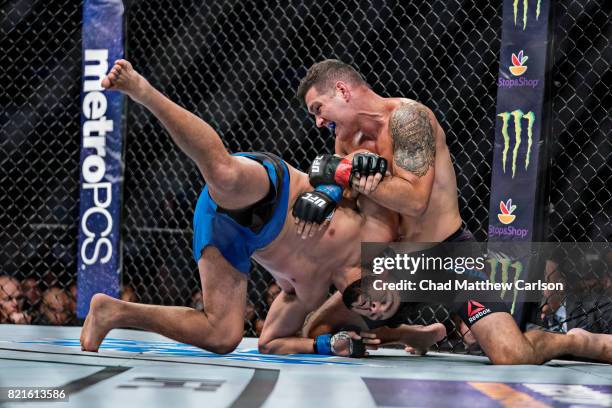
(330, 255)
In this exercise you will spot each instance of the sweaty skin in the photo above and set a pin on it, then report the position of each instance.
(413, 142)
(304, 269)
(308, 267)
(422, 188)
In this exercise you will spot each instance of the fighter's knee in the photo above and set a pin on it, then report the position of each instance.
(502, 359)
(226, 177)
(513, 357)
(223, 347)
(224, 338)
(225, 344)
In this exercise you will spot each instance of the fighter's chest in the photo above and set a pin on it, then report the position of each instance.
(381, 144)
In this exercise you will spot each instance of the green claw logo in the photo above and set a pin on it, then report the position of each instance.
(506, 267)
(525, 7)
(516, 115)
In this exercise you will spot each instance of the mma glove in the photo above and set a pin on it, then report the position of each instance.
(330, 169)
(318, 205)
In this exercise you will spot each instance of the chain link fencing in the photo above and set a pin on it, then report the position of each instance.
(40, 60)
(581, 173)
(237, 64)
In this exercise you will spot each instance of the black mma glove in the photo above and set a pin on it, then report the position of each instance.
(330, 169)
(369, 164)
(319, 205)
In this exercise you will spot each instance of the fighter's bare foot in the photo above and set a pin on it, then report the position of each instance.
(421, 338)
(595, 346)
(123, 77)
(99, 321)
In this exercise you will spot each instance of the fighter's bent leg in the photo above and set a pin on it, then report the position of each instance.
(218, 329)
(234, 182)
(503, 342)
(577, 342)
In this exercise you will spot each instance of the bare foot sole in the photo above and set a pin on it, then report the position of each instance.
(423, 337)
(123, 77)
(99, 321)
(596, 346)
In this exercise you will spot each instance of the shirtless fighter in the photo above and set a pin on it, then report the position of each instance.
(422, 189)
(236, 218)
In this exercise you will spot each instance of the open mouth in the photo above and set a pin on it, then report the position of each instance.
(332, 128)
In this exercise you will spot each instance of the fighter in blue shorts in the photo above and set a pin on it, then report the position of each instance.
(237, 234)
(242, 214)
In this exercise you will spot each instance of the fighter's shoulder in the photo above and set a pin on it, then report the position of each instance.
(412, 129)
(407, 109)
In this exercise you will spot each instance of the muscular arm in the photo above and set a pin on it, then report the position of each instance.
(285, 318)
(194, 136)
(412, 128)
(333, 316)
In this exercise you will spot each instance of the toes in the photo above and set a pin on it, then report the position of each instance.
(114, 74)
(122, 63)
(106, 82)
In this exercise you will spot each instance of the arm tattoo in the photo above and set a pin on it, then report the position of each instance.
(414, 146)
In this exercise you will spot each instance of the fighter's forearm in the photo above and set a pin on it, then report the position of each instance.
(388, 335)
(194, 136)
(284, 320)
(288, 345)
(400, 195)
(416, 336)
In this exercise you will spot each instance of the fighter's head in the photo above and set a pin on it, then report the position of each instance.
(329, 90)
(362, 298)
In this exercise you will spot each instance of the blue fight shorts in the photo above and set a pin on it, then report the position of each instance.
(239, 233)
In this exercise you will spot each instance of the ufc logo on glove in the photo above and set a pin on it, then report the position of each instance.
(319, 202)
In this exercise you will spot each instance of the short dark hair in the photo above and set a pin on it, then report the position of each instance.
(351, 293)
(324, 74)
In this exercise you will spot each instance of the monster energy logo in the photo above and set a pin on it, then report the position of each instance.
(515, 8)
(517, 116)
(506, 266)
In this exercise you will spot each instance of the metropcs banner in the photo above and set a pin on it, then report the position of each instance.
(520, 131)
(101, 167)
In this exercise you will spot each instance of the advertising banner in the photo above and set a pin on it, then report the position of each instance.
(101, 167)
(521, 126)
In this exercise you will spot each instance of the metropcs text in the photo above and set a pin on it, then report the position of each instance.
(95, 127)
